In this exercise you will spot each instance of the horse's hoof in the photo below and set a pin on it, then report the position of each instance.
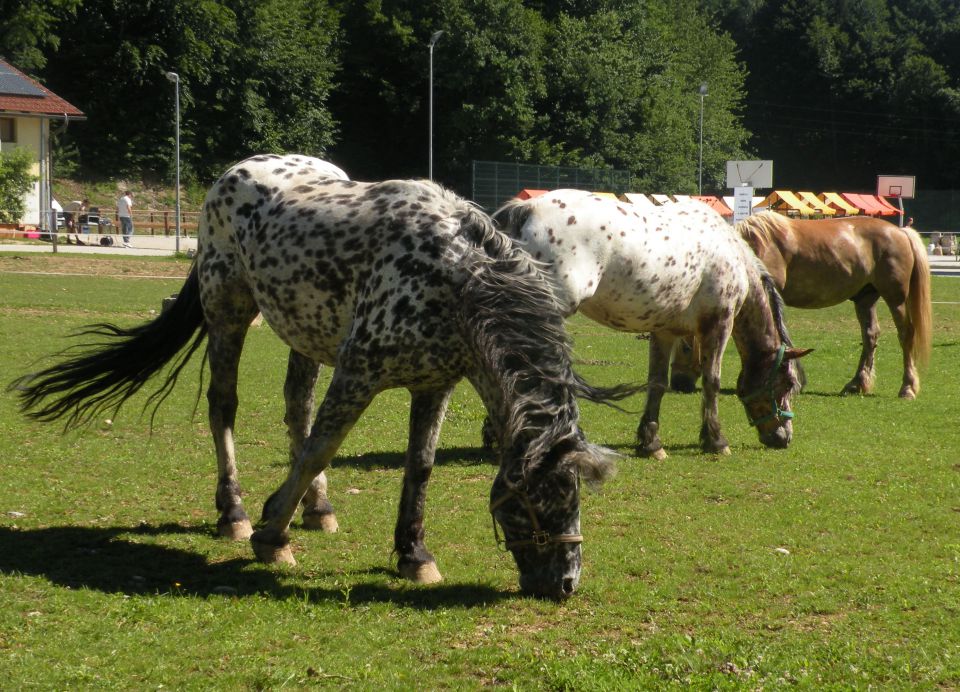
(658, 454)
(724, 451)
(235, 530)
(907, 392)
(317, 521)
(421, 573)
(855, 388)
(271, 553)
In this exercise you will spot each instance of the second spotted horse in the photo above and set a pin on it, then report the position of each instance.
(676, 271)
(394, 284)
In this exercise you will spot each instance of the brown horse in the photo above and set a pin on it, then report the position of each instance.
(816, 264)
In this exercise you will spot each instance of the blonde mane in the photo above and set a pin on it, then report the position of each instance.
(761, 230)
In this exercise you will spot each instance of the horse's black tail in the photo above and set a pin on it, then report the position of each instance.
(100, 376)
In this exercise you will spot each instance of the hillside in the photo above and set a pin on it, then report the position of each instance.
(147, 196)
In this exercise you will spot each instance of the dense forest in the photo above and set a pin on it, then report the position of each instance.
(834, 92)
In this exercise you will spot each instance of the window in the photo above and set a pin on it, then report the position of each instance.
(8, 133)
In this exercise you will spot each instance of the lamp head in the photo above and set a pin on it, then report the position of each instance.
(173, 77)
(703, 89)
(435, 37)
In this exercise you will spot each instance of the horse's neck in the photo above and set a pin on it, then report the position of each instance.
(755, 328)
(524, 409)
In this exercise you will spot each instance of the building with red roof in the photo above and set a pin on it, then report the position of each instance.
(27, 109)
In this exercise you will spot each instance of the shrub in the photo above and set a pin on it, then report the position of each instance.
(15, 182)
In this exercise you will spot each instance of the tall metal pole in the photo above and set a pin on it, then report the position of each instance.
(433, 41)
(175, 78)
(703, 92)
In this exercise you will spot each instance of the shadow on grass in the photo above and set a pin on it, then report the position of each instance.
(450, 456)
(114, 560)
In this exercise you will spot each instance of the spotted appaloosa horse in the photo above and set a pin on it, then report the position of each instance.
(821, 263)
(679, 270)
(395, 284)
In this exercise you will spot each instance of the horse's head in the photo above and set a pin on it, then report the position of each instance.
(765, 392)
(539, 513)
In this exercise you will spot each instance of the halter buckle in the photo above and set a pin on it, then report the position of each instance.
(540, 538)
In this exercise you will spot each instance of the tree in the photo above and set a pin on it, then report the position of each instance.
(624, 92)
(254, 77)
(15, 182)
(486, 76)
(866, 87)
(603, 83)
(32, 27)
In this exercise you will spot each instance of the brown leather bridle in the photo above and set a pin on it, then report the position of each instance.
(539, 536)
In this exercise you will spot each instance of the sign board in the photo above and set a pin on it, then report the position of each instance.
(750, 174)
(742, 203)
(902, 186)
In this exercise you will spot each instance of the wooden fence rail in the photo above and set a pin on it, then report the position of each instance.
(157, 222)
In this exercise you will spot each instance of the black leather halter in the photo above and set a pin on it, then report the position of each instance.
(539, 536)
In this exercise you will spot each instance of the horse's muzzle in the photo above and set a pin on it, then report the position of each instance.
(554, 590)
(779, 437)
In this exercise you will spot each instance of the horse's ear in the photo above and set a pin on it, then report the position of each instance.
(794, 353)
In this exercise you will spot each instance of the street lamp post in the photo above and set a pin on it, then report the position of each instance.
(175, 78)
(433, 41)
(703, 92)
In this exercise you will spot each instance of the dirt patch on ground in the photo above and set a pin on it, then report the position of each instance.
(29, 263)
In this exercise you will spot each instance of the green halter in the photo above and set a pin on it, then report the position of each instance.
(767, 390)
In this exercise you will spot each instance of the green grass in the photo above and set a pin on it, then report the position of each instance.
(110, 576)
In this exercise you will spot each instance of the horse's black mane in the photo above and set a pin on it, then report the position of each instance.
(518, 328)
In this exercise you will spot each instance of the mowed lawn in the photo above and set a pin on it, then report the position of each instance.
(832, 564)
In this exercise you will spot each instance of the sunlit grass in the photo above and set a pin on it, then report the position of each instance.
(834, 563)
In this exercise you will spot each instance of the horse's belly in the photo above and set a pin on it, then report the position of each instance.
(311, 331)
(638, 311)
(819, 293)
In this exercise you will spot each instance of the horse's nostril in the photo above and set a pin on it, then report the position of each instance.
(779, 439)
(567, 586)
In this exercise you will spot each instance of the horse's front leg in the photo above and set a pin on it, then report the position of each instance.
(648, 437)
(711, 439)
(346, 399)
(414, 561)
(866, 308)
(300, 394)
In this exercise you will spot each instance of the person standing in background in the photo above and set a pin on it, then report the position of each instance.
(72, 217)
(125, 214)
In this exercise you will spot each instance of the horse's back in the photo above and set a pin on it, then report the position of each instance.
(631, 269)
(322, 257)
(822, 262)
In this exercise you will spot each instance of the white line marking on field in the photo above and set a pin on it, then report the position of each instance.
(105, 276)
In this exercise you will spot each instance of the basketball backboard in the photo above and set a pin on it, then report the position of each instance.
(750, 174)
(901, 186)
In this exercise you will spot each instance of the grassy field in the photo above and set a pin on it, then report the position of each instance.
(833, 564)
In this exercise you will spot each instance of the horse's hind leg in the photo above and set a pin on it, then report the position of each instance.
(685, 366)
(426, 415)
(300, 394)
(865, 304)
(905, 332)
(648, 437)
(223, 348)
(711, 439)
